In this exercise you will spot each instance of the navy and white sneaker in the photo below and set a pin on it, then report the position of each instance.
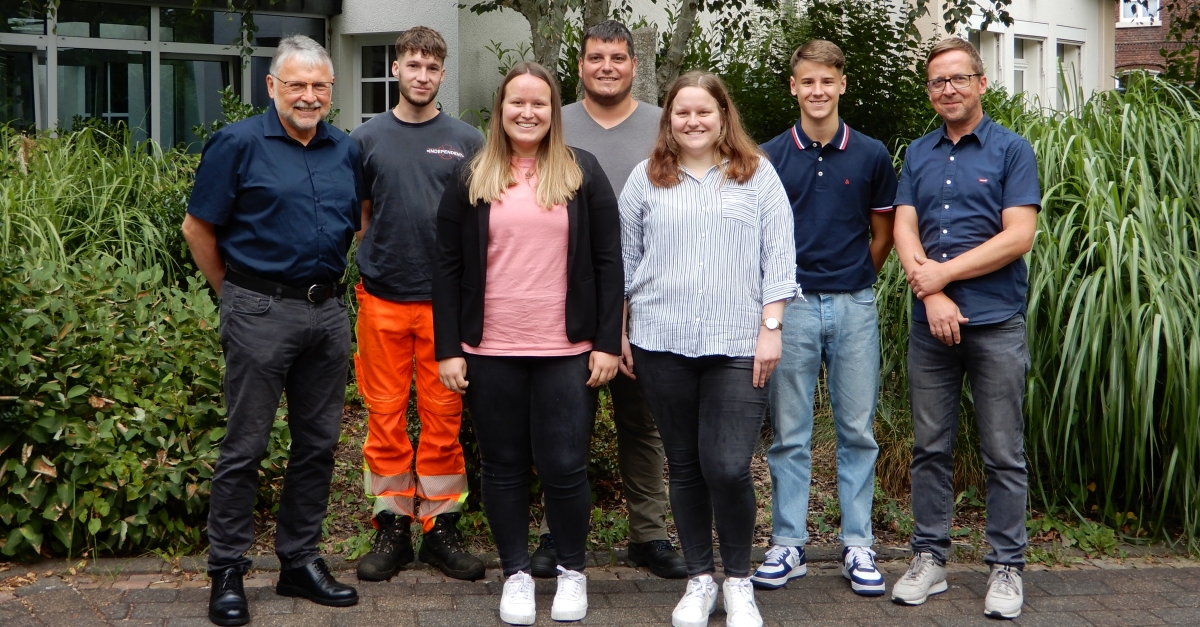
(783, 564)
(858, 565)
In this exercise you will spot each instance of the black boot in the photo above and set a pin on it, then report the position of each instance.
(660, 556)
(392, 549)
(227, 600)
(544, 562)
(313, 582)
(442, 547)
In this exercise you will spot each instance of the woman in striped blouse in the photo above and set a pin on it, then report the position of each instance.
(710, 262)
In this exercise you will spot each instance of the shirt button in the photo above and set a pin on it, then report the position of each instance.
(820, 158)
(943, 255)
(945, 206)
(952, 158)
(947, 181)
(945, 231)
(820, 174)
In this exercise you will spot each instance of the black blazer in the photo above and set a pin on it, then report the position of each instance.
(595, 271)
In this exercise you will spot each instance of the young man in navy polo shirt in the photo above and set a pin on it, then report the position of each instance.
(841, 184)
(966, 213)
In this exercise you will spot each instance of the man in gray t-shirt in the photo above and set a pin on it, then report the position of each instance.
(408, 156)
(621, 132)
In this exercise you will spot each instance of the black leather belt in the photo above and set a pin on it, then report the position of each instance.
(314, 293)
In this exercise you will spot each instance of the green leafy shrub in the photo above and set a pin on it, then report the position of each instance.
(110, 409)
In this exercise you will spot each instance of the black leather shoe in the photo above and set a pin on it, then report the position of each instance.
(442, 547)
(544, 562)
(660, 556)
(227, 600)
(392, 549)
(313, 582)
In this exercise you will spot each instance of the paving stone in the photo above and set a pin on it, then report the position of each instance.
(1050, 619)
(191, 622)
(114, 611)
(168, 610)
(102, 595)
(5, 597)
(65, 600)
(466, 618)
(193, 595)
(274, 606)
(41, 586)
(976, 619)
(158, 622)
(1075, 587)
(605, 616)
(1179, 615)
(1130, 618)
(418, 602)
(455, 587)
(152, 595)
(1065, 604)
(391, 618)
(640, 599)
(85, 618)
(900, 621)
(1144, 584)
(324, 619)
(831, 611)
(1133, 601)
(1184, 599)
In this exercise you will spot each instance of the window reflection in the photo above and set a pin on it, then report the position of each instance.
(199, 26)
(190, 96)
(16, 89)
(273, 28)
(103, 20)
(107, 85)
(22, 16)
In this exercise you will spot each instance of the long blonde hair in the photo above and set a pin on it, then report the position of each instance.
(559, 176)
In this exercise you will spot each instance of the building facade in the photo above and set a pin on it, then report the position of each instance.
(158, 65)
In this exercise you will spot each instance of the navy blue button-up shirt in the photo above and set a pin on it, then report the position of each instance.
(283, 211)
(833, 190)
(959, 191)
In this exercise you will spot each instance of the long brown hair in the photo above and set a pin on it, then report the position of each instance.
(559, 176)
(733, 145)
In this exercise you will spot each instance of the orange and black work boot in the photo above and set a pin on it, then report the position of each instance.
(442, 547)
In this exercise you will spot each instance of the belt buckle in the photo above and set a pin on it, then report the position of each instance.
(310, 292)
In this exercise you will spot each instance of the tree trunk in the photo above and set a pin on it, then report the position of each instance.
(594, 12)
(679, 39)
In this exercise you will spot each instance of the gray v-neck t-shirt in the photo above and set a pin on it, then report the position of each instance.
(618, 149)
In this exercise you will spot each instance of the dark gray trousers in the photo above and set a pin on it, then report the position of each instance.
(272, 345)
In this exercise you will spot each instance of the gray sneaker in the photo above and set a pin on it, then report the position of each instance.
(1005, 593)
(924, 577)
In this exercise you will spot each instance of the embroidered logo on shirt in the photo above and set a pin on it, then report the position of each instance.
(982, 180)
(445, 152)
(847, 181)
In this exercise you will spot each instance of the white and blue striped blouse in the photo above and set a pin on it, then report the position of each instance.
(702, 257)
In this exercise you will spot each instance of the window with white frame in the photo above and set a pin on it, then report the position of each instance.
(1027, 67)
(1070, 74)
(1140, 11)
(380, 90)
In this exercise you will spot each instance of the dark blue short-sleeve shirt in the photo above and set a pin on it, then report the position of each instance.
(283, 211)
(959, 192)
(833, 190)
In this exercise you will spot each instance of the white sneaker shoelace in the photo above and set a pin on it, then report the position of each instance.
(777, 553)
(1004, 584)
(916, 571)
(858, 557)
(570, 586)
(699, 590)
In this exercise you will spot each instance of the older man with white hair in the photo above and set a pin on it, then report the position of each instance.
(276, 202)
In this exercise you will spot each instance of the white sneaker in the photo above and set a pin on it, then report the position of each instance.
(697, 603)
(740, 608)
(783, 564)
(858, 565)
(924, 577)
(1005, 593)
(517, 606)
(570, 601)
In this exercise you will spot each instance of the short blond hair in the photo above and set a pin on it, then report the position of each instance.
(955, 43)
(820, 51)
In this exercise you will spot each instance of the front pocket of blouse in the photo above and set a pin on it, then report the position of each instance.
(740, 204)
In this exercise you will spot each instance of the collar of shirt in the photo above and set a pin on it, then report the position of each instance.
(719, 168)
(273, 127)
(840, 139)
(981, 132)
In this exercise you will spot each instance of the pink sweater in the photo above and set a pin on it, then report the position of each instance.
(525, 298)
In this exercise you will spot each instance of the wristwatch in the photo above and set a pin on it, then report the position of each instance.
(772, 324)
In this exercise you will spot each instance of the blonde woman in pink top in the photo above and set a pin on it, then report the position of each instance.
(527, 297)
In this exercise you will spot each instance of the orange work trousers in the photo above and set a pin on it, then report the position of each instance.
(392, 337)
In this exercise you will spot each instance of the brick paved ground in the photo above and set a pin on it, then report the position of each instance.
(1118, 593)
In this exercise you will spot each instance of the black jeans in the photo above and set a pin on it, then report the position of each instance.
(709, 415)
(534, 412)
(271, 345)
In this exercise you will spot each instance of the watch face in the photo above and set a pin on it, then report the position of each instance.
(771, 323)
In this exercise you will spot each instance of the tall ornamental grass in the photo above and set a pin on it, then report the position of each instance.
(89, 192)
(1113, 398)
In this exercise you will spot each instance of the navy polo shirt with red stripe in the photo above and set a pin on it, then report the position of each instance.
(834, 189)
(960, 191)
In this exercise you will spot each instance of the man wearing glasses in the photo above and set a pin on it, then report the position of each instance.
(966, 212)
(273, 212)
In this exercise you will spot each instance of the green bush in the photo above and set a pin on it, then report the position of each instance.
(110, 409)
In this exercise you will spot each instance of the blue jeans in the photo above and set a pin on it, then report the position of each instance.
(840, 329)
(995, 357)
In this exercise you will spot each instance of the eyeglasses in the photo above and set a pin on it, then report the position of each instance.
(961, 81)
(295, 88)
